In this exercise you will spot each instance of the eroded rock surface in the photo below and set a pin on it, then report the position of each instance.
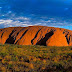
(36, 35)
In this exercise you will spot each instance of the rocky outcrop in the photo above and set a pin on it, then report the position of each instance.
(36, 35)
(57, 39)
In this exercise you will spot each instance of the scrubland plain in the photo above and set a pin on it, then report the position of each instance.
(32, 58)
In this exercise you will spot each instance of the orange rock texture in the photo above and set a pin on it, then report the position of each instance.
(36, 35)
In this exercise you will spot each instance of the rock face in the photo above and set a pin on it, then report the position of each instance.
(36, 35)
(57, 39)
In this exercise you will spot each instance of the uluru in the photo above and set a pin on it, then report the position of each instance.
(36, 35)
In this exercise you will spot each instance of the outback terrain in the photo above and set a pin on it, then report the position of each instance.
(35, 49)
(35, 58)
(36, 35)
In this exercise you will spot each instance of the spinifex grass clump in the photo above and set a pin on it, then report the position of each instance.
(17, 58)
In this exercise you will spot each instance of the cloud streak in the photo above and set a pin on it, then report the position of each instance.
(26, 21)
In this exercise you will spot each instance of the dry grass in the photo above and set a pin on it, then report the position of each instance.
(17, 58)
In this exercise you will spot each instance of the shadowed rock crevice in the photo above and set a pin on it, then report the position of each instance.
(68, 39)
(10, 40)
(43, 41)
(15, 34)
(20, 31)
(35, 35)
(2, 34)
(21, 36)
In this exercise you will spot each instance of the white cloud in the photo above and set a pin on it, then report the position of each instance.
(5, 21)
(29, 22)
(38, 24)
(48, 21)
(22, 18)
(15, 22)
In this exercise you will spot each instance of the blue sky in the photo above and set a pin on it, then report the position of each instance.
(55, 13)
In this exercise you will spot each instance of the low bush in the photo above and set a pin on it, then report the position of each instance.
(17, 58)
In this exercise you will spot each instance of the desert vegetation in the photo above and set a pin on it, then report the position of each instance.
(22, 58)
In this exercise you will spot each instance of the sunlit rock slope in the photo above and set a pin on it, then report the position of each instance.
(36, 35)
